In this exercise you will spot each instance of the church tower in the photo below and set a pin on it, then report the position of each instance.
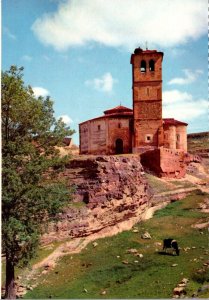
(147, 99)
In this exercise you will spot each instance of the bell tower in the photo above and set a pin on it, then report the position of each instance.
(147, 99)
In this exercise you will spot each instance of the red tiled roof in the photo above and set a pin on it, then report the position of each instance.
(171, 121)
(149, 51)
(118, 109)
(122, 111)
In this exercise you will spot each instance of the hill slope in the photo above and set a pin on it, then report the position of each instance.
(127, 266)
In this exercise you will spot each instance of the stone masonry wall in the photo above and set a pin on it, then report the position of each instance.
(119, 128)
(165, 162)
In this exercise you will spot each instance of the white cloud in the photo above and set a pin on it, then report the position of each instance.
(39, 91)
(175, 96)
(122, 23)
(190, 76)
(66, 119)
(27, 58)
(182, 106)
(105, 83)
(8, 33)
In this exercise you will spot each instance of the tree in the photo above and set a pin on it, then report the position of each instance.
(32, 192)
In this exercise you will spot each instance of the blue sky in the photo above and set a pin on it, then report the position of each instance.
(78, 52)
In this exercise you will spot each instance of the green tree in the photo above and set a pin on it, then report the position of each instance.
(32, 193)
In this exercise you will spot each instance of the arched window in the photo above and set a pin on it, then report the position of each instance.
(143, 66)
(151, 65)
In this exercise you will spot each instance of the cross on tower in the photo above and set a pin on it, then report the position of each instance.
(146, 45)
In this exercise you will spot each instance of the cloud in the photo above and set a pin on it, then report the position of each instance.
(122, 23)
(66, 119)
(183, 106)
(190, 76)
(105, 83)
(27, 58)
(175, 96)
(8, 33)
(39, 91)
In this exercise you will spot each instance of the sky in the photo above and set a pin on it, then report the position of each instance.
(78, 52)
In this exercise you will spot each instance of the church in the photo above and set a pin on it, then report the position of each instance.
(142, 128)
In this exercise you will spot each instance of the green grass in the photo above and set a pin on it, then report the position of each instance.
(42, 253)
(98, 269)
(157, 185)
(183, 184)
(77, 204)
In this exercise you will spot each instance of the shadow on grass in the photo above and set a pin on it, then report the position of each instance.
(165, 253)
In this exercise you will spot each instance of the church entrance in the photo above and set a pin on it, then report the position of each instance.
(119, 146)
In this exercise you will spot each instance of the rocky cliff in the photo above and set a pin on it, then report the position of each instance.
(108, 190)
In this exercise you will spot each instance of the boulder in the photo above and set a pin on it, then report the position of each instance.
(174, 265)
(185, 280)
(179, 291)
(132, 251)
(146, 235)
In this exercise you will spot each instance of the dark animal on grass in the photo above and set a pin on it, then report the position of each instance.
(171, 243)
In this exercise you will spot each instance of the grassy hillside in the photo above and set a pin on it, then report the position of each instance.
(109, 271)
(198, 142)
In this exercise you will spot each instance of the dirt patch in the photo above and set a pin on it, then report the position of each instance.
(201, 225)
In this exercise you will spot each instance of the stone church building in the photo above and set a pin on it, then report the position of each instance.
(124, 130)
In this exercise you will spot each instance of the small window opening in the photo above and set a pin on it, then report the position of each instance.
(119, 125)
(178, 137)
(147, 91)
(143, 66)
(99, 127)
(148, 138)
(151, 65)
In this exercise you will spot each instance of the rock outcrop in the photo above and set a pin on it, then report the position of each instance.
(108, 190)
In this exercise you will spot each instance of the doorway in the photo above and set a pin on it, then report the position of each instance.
(119, 146)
